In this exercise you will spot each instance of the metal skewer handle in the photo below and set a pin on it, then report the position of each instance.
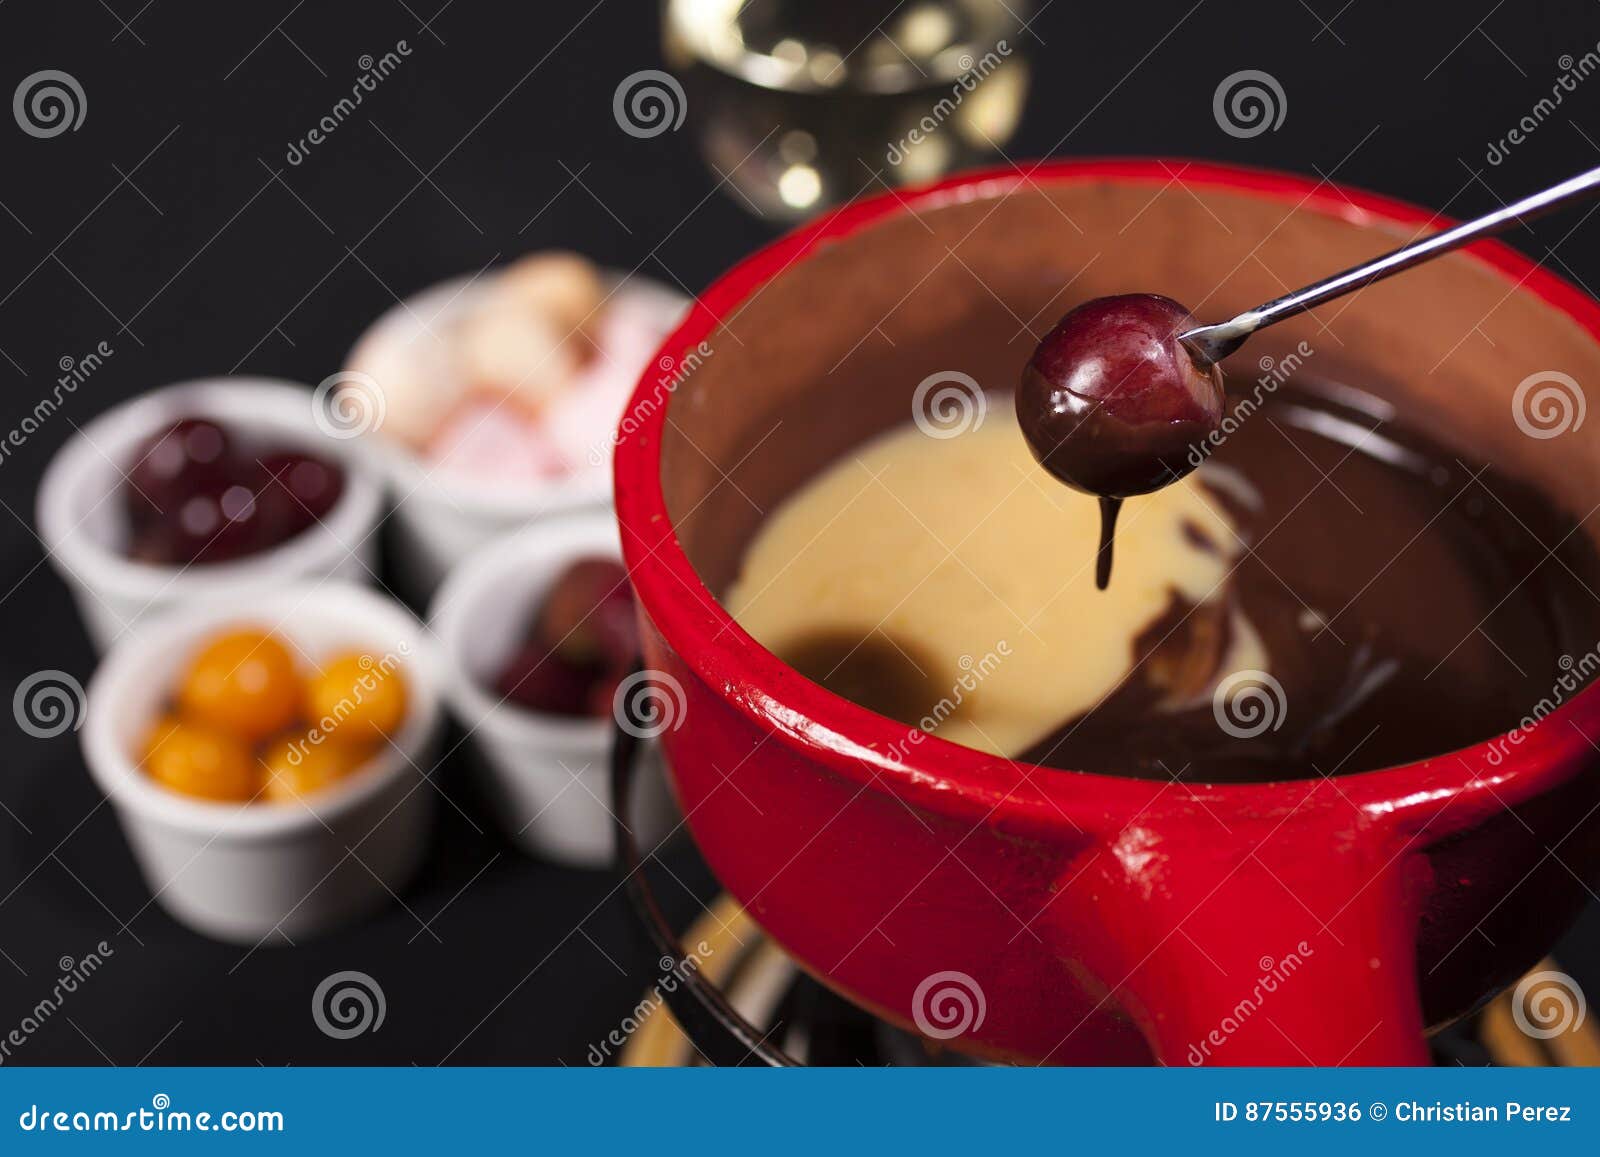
(1211, 343)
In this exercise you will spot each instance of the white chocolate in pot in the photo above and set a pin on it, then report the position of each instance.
(969, 573)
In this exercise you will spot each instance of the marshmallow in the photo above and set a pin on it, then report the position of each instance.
(487, 440)
(516, 353)
(563, 288)
(411, 385)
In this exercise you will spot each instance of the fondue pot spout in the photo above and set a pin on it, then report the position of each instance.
(1027, 913)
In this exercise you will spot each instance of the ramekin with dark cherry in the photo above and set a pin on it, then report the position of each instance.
(220, 486)
(579, 645)
(199, 492)
(539, 632)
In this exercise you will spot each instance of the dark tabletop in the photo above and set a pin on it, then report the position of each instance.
(172, 227)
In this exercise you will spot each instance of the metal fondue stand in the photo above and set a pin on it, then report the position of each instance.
(721, 1034)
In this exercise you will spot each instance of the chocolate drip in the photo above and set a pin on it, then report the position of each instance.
(1109, 508)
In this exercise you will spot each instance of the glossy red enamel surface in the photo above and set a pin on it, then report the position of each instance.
(1102, 918)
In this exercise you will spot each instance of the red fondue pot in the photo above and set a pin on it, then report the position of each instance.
(1028, 913)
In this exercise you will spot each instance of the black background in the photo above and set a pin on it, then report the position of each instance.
(171, 227)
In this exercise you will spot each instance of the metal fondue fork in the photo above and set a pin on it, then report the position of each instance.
(1209, 344)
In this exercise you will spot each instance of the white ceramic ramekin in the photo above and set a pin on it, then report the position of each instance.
(267, 872)
(82, 523)
(548, 776)
(438, 518)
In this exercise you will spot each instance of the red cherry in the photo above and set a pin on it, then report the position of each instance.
(603, 693)
(217, 524)
(155, 543)
(188, 455)
(296, 491)
(545, 682)
(588, 615)
(1112, 402)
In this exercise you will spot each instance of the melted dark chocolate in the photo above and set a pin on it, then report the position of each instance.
(1409, 604)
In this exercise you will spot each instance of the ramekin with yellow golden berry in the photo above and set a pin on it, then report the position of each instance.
(268, 758)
